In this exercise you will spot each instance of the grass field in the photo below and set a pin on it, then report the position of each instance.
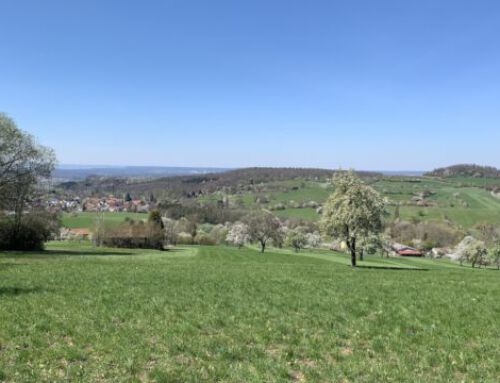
(219, 314)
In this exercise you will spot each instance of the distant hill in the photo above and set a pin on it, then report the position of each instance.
(466, 170)
(201, 183)
(80, 172)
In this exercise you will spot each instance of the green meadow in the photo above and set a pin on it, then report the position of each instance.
(218, 314)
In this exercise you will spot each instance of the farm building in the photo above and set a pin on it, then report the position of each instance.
(410, 253)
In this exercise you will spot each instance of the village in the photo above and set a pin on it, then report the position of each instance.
(109, 204)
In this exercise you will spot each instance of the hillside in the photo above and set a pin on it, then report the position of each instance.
(466, 170)
(66, 173)
(192, 185)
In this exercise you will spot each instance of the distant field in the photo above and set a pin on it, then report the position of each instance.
(87, 219)
(459, 200)
(219, 314)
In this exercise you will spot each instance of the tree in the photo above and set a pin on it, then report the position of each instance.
(99, 228)
(264, 226)
(155, 218)
(370, 245)
(35, 229)
(238, 234)
(152, 197)
(170, 231)
(23, 162)
(477, 255)
(296, 238)
(192, 229)
(396, 211)
(468, 250)
(219, 233)
(488, 232)
(354, 210)
(313, 239)
(494, 255)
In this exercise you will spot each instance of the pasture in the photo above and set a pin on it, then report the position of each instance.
(76, 313)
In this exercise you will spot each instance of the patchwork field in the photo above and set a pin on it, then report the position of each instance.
(462, 201)
(221, 314)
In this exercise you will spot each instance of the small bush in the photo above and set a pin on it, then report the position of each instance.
(204, 239)
(29, 234)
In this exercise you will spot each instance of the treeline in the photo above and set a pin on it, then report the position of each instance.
(466, 170)
(160, 232)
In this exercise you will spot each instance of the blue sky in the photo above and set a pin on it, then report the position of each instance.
(364, 84)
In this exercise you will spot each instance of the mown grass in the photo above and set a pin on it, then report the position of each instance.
(221, 314)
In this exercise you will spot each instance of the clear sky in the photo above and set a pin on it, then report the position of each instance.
(368, 84)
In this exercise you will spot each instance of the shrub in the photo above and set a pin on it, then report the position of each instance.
(238, 234)
(296, 238)
(204, 239)
(219, 234)
(134, 235)
(184, 238)
(30, 233)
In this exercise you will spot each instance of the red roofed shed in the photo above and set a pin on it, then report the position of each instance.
(410, 253)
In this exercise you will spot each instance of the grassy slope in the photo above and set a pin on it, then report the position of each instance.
(220, 314)
(472, 205)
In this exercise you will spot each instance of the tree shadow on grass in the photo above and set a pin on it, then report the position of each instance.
(47, 254)
(13, 291)
(5, 265)
(390, 268)
(84, 252)
(175, 249)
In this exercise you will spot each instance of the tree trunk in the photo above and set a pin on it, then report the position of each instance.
(361, 254)
(262, 246)
(353, 252)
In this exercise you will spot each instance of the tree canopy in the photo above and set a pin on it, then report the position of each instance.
(354, 210)
(22, 162)
(264, 226)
